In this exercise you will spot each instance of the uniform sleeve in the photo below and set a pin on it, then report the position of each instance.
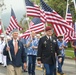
(57, 50)
(23, 54)
(39, 53)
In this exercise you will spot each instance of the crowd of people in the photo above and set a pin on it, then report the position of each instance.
(44, 50)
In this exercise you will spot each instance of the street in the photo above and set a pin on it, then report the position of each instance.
(69, 68)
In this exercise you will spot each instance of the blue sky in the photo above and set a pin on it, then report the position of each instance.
(18, 7)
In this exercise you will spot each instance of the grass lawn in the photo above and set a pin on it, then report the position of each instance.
(70, 48)
(69, 52)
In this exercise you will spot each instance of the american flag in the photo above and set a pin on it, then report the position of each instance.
(70, 22)
(32, 9)
(74, 32)
(59, 24)
(43, 16)
(35, 25)
(53, 17)
(0, 27)
(75, 26)
(13, 23)
(69, 17)
(59, 29)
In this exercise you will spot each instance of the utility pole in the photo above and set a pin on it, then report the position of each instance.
(2, 7)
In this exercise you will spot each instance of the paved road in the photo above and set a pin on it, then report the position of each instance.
(69, 68)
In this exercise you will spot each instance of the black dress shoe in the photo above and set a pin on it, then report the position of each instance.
(25, 71)
(1, 64)
(5, 66)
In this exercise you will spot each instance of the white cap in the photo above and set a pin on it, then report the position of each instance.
(8, 37)
(1, 35)
(42, 33)
(38, 34)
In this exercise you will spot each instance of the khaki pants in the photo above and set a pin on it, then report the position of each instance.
(14, 70)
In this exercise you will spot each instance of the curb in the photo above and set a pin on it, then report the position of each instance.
(40, 69)
(68, 57)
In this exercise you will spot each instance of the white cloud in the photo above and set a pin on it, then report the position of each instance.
(18, 7)
(15, 4)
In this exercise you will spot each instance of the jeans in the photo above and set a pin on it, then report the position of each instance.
(49, 69)
(60, 65)
(31, 64)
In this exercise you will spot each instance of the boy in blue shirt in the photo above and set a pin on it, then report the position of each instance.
(62, 46)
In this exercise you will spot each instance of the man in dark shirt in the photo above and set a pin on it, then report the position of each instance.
(46, 51)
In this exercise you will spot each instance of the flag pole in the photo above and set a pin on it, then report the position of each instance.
(8, 46)
(66, 14)
(27, 20)
(1, 20)
(75, 56)
(35, 1)
(74, 4)
(44, 15)
(5, 39)
(67, 8)
(2, 24)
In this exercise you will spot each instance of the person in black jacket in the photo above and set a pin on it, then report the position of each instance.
(47, 49)
(16, 56)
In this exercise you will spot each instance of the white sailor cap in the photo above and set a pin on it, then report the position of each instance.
(42, 33)
(8, 37)
(1, 35)
(38, 34)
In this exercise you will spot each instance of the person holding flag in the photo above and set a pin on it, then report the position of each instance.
(62, 46)
(32, 48)
(17, 54)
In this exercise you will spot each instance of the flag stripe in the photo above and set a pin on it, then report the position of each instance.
(52, 16)
(35, 25)
(13, 23)
(32, 9)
